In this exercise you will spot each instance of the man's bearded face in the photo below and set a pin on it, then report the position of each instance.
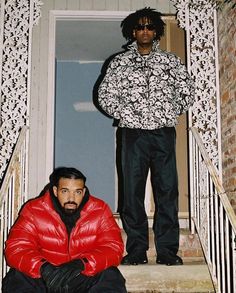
(70, 193)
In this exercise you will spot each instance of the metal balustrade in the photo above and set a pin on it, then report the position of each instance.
(13, 192)
(212, 216)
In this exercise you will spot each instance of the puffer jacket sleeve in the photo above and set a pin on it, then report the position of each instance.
(22, 251)
(108, 92)
(109, 247)
(184, 88)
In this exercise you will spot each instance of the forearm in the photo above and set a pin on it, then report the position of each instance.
(25, 261)
(22, 251)
(108, 94)
(109, 102)
(108, 252)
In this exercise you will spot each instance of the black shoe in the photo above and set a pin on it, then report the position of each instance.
(169, 259)
(135, 259)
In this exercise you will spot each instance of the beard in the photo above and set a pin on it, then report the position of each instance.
(70, 211)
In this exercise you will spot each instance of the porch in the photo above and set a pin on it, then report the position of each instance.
(24, 98)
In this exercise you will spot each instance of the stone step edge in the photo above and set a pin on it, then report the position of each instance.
(158, 278)
(189, 245)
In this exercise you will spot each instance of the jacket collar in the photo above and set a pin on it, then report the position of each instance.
(134, 47)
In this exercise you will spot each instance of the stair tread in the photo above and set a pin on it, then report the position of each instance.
(190, 277)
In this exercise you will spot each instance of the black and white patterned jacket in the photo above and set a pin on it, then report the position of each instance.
(146, 92)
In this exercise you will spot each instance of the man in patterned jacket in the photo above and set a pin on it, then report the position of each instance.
(64, 241)
(146, 89)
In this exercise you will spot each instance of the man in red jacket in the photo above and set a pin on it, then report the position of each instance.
(65, 240)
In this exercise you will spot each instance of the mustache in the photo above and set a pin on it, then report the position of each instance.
(70, 202)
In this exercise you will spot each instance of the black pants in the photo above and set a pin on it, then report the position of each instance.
(108, 281)
(141, 150)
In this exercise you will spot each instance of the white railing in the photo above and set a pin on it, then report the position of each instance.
(212, 216)
(13, 192)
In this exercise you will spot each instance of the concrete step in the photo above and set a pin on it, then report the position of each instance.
(189, 246)
(153, 278)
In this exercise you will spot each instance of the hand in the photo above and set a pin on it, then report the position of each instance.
(56, 276)
(80, 284)
(50, 274)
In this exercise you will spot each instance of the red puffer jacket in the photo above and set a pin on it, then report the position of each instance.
(39, 234)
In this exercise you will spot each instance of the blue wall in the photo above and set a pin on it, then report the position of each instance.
(84, 139)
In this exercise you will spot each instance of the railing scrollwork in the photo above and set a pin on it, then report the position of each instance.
(198, 18)
(16, 22)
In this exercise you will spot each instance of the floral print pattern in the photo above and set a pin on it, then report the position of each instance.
(146, 92)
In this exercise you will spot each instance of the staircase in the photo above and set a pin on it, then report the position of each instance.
(192, 277)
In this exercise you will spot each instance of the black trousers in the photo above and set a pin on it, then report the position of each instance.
(108, 281)
(142, 150)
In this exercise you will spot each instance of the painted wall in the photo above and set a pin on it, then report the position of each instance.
(84, 138)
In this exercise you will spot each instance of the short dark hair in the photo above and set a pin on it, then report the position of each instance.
(129, 23)
(65, 172)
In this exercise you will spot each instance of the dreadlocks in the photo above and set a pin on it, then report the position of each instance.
(129, 23)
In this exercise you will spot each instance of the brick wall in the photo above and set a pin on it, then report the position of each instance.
(227, 67)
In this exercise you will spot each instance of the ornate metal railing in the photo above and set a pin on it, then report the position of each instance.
(212, 216)
(13, 192)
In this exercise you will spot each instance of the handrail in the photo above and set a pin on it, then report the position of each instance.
(16, 151)
(214, 175)
(13, 191)
(212, 216)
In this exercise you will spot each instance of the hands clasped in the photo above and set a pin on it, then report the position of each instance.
(60, 278)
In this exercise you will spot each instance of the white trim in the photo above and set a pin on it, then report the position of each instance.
(88, 14)
(51, 95)
(29, 62)
(190, 138)
(28, 103)
(116, 173)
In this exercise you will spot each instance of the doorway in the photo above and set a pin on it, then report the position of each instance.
(84, 137)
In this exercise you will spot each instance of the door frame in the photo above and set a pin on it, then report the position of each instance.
(87, 15)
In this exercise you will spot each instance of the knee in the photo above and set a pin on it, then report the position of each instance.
(113, 273)
(110, 280)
